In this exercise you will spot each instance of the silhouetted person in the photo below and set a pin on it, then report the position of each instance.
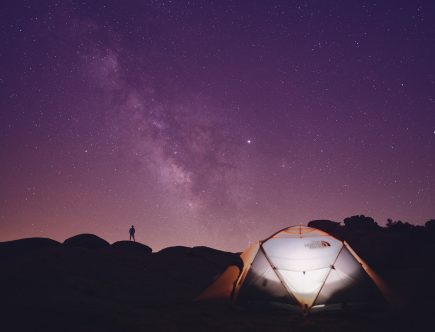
(132, 231)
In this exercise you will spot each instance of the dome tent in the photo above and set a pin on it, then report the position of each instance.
(299, 267)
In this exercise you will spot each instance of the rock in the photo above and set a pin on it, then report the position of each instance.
(133, 246)
(27, 245)
(89, 241)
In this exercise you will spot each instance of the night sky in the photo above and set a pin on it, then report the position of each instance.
(213, 122)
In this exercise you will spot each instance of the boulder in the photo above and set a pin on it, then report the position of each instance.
(88, 241)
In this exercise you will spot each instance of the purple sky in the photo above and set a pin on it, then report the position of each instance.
(213, 122)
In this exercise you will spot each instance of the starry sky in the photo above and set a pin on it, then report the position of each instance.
(213, 122)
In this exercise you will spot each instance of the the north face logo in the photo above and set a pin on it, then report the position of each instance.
(317, 244)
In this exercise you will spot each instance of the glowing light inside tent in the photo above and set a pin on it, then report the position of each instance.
(301, 266)
(303, 263)
(310, 262)
(305, 286)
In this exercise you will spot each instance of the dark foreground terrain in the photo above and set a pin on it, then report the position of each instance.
(86, 284)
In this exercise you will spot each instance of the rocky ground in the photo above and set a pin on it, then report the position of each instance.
(86, 284)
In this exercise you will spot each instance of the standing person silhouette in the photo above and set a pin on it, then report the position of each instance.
(132, 231)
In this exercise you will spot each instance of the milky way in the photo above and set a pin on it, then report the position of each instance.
(213, 122)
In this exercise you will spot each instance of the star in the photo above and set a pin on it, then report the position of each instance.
(166, 135)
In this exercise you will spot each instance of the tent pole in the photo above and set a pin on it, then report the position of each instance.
(329, 272)
(278, 275)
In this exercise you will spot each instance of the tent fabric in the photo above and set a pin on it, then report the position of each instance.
(263, 284)
(299, 266)
(229, 282)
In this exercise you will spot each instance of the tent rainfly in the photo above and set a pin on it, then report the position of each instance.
(300, 268)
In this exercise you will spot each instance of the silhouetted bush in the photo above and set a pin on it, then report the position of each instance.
(430, 225)
(399, 226)
(360, 222)
(325, 225)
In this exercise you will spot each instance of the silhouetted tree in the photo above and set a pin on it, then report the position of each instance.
(325, 225)
(360, 222)
(389, 222)
(399, 226)
(430, 225)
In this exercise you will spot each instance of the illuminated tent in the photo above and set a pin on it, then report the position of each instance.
(302, 268)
